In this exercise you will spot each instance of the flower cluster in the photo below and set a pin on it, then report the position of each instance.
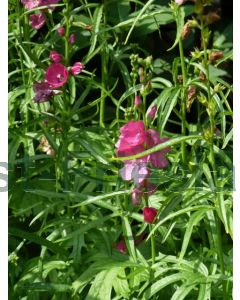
(37, 21)
(56, 76)
(135, 139)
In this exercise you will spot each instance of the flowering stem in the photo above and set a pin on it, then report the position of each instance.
(212, 155)
(183, 100)
(152, 245)
(67, 34)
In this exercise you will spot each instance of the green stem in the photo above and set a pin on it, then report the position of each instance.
(152, 245)
(104, 75)
(67, 31)
(183, 100)
(212, 157)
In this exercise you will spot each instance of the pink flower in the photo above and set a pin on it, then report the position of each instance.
(72, 39)
(61, 31)
(77, 68)
(152, 112)
(137, 101)
(56, 75)
(135, 170)
(29, 4)
(149, 214)
(55, 56)
(121, 247)
(132, 139)
(37, 20)
(157, 159)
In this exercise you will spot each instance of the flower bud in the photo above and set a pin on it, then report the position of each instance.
(149, 214)
(137, 101)
(72, 38)
(55, 56)
(152, 112)
(121, 247)
(77, 68)
(61, 31)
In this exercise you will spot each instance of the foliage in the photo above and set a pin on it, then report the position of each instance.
(69, 208)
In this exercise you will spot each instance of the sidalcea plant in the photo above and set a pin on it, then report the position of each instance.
(120, 150)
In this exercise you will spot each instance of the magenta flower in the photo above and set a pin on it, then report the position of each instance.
(56, 75)
(55, 56)
(149, 214)
(61, 31)
(152, 112)
(37, 21)
(77, 68)
(29, 4)
(157, 159)
(42, 91)
(132, 139)
(137, 101)
(72, 39)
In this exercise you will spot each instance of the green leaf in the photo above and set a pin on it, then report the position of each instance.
(102, 285)
(127, 231)
(160, 284)
(193, 221)
(180, 24)
(182, 292)
(33, 237)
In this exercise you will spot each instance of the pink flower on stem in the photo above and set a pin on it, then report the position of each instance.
(132, 138)
(77, 68)
(56, 75)
(157, 159)
(42, 92)
(135, 170)
(29, 4)
(61, 31)
(152, 112)
(149, 214)
(137, 101)
(55, 56)
(37, 21)
(72, 38)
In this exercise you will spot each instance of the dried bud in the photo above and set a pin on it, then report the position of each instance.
(186, 31)
(180, 78)
(191, 95)
(202, 76)
(45, 147)
(215, 55)
(191, 92)
(88, 27)
(211, 17)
